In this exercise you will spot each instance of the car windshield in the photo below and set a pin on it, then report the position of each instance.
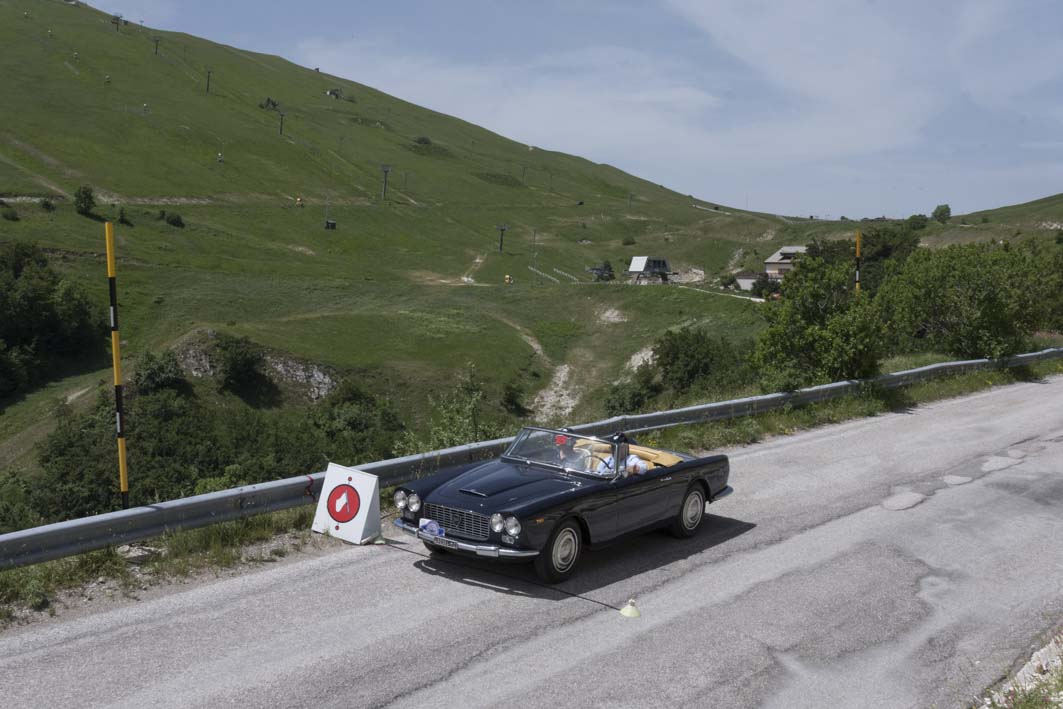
(563, 451)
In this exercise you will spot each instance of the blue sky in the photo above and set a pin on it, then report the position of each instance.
(826, 107)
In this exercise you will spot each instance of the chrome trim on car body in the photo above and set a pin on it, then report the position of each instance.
(492, 550)
(722, 493)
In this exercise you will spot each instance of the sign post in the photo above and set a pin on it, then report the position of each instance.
(858, 244)
(349, 506)
(116, 357)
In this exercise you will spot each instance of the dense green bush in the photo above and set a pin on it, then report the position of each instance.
(917, 222)
(155, 372)
(181, 445)
(9, 214)
(239, 361)
(974, 300)
(47, 205)
(630, 397)
(689, 356)
(883, 248)
(174, 219)
(942, 213)
(818, 331)
(764, 287)
(43, 318)
(84, 200)
(16, 511)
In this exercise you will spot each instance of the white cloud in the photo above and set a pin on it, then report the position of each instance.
(597, 102)
(813, 92)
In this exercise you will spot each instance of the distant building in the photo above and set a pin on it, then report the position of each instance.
(745, 280)
(646, 267)
(782, 261)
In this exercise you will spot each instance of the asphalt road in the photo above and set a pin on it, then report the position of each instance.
(855, 566)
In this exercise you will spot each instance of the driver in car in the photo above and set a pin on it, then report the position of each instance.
(569, 456)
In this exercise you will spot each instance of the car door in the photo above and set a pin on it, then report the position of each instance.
(642, 499)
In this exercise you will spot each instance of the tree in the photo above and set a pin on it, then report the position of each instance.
(974, 300)
(155, 372)
(764, 286)
(942, 213)
(689, 356)
(84, 201)
(43, 318)
(884, 247)
(240, 361)
(917, 221)
(819, 330)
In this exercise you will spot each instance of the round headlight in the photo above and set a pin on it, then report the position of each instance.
(497, 523)
(400, 500)
(413, 502)
(512, 526)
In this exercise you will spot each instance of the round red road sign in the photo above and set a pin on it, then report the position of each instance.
(343, 503)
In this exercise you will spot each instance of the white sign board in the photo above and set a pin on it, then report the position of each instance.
(349, 506)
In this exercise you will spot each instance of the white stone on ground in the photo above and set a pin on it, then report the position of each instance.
(996, 462)
(956, 480)
(903, 501)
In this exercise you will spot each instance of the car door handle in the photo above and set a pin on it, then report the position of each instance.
(664, 480)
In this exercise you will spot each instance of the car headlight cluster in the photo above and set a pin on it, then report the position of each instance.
(411, 502)
(511, 525)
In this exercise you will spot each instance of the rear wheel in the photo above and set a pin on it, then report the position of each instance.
(557, 560)
(691, 512)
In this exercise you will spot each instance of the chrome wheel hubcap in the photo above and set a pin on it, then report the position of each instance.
(693, 510)
(566, 549)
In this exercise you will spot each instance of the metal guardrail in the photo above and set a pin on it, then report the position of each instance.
(30, 546)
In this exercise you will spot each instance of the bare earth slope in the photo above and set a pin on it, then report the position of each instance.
(818, 583)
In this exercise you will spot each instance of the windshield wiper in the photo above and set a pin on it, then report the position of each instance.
(529, 461)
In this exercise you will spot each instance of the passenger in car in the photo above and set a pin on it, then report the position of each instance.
(633, 465)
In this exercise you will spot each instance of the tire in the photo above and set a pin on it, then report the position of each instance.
(558, 558)
(691, 513)
(434, 550)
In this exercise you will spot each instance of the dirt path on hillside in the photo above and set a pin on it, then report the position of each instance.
(525, 335)
(40, 179)
(477, 262)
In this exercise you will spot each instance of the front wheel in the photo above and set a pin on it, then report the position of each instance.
(691, 512)
(557, 560)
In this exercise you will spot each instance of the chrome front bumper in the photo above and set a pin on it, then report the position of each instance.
(492, 550)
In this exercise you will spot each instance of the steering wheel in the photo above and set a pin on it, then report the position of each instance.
(601, 460)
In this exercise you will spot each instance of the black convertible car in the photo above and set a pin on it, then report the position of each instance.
(554, 492)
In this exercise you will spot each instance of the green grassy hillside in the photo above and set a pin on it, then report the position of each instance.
(404, 291)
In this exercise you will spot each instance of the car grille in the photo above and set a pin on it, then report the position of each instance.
(462, 522)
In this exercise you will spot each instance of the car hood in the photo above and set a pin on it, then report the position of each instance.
(498, 486)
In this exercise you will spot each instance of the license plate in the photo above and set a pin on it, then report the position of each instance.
(444, 542)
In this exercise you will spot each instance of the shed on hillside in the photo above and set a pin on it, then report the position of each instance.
(746, 279)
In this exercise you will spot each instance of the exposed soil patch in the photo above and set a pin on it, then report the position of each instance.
(559, 397)
(643, 356)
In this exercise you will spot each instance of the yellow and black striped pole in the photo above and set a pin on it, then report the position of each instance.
(116, 357)
(858, 239)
